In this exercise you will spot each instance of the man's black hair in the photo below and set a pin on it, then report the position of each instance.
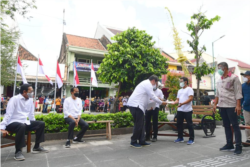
(205, 93)
(153, 77)
(24, 87)
(184, 79)
(223, 64)
(72, 89)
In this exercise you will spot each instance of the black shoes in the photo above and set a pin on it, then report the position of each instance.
(75, 141)
(67, 145)
(238, 150)
(39, 150)
(19, 156)
(227, 147)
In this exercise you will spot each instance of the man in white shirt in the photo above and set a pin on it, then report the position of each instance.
(185, 110)
(15, 120)
(72, 110)
(153, 111)
(137, 104)
(124, 101)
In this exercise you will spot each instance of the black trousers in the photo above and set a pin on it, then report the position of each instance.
(149, 114)
(20, 128)
(84, 127)
(229, 116)
(139, 128)
(180, 119)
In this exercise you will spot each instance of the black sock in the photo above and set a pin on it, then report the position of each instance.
(37, 145)
(18, 150)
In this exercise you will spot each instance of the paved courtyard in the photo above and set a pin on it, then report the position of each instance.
(99, 152)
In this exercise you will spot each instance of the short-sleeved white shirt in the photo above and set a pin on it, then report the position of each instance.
(183, 95)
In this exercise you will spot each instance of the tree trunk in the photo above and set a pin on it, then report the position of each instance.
(117, 97)
(198, 93)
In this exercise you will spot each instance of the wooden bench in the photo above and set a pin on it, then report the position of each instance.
(108, 129)
(208, 125)
(242, 127)
(28, 141)
(173, 125)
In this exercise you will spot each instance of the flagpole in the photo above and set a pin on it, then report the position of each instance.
(73, 83)
(54, 105)
(90, 87)
(14, 91)
(36, 79)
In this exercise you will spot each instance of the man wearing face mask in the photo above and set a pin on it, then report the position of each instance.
(137, 104)
(245, 101)
(153, 112)
(228, 97)
(185, 110)
(15, 120)
(72, 110)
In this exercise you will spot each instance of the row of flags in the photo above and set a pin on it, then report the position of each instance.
(58, 74)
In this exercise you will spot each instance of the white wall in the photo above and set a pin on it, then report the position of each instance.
(102, 30)
(1, 89)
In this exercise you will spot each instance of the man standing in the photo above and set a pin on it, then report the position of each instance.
(137, 104)
(72, 110)
(207, 100)
(15, 120)
(41, 101)
(124, 101)
(245, 101)
(185, 110)
(153, 111)
(228, 97)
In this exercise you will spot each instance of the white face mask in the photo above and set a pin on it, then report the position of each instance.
(154, 87)
(182, 84)
(245, 79)
(30, 95)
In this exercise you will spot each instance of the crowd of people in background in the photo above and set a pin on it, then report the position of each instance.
(106, 104)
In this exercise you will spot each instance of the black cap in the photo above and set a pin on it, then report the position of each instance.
(246, 73)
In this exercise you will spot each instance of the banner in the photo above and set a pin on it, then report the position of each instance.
(85, 66)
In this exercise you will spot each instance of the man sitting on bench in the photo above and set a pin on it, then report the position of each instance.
(15, 120)
(72, 109)
(184, 99)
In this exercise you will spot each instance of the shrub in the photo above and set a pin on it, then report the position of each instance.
(55, 122)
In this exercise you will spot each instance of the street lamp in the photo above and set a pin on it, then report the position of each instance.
(213, 59)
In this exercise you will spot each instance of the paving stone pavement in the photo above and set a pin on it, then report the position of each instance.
(99, 152)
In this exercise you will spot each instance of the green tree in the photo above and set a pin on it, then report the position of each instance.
(199, 23)
(173, 85)
(131, 59)
(10, 36)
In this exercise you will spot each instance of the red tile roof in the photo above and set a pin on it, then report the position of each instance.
(167, 56)
(241, 64)
(114, 31)
(84, 42)
(193, 60)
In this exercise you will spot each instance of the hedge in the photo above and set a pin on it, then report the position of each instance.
(55, 122)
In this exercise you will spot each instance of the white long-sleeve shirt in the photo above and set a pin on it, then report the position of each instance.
(18, 110)
(72, 107)
(153, 104)
(141, 95)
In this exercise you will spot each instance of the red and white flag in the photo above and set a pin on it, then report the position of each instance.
(20, 71)
(58, 77)
(93, 77)
(41, 71)
(77, 82)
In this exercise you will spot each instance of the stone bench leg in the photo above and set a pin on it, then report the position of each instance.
(108, 130)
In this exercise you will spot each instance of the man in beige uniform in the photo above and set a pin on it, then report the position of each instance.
(228, 97)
